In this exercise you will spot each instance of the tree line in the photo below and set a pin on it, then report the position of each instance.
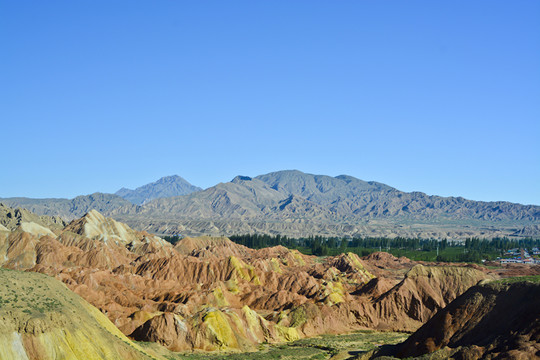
(471, 250)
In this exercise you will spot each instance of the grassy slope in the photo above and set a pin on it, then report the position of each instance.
(41, 318)
(533, 278)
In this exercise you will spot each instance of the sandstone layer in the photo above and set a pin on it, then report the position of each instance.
(209, 293)
(493, 320)
(41, 319)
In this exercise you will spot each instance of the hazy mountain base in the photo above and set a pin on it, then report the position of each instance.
(11, 218)
(305, 227)
(70, 209)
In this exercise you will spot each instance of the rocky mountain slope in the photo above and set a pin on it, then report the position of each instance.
(212, 294)
(294, 203)
(344, 197)
(298, 204)
(11, 218)
(43, 319)
(493, 320)
(70, 209)
(168, 186)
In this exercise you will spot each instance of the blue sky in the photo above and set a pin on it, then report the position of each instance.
(433, 96)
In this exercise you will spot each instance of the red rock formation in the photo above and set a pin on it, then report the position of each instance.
(423, 292)
(493, 320)
(205, 292)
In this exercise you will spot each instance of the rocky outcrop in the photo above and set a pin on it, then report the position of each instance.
(213, 329)
(94, 226)
(424, 291)
(528, 231)
(211, 246)
(494, 320)
(11, 218)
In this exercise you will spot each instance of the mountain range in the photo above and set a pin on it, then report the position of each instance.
(294, 203)
(211, 294)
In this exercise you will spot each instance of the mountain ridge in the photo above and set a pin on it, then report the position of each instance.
(167, 186)
(69, 209)
(290, 201)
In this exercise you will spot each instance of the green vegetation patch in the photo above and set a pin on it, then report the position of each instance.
(532, 278)
(29, 294)
(470, 250)
(355, 342)
(322, 347)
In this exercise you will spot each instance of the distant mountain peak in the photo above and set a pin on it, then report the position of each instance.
(241, 178)
(346, 178)
(167, 186)
(170, 179)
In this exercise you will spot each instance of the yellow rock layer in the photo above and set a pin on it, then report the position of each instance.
(42, 319)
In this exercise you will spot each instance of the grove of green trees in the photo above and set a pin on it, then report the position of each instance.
(470, 250)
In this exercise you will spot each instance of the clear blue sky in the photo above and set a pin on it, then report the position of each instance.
(435, 96)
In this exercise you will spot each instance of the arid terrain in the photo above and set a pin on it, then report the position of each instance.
(210, 294)
(297, 204)
(258, 180)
